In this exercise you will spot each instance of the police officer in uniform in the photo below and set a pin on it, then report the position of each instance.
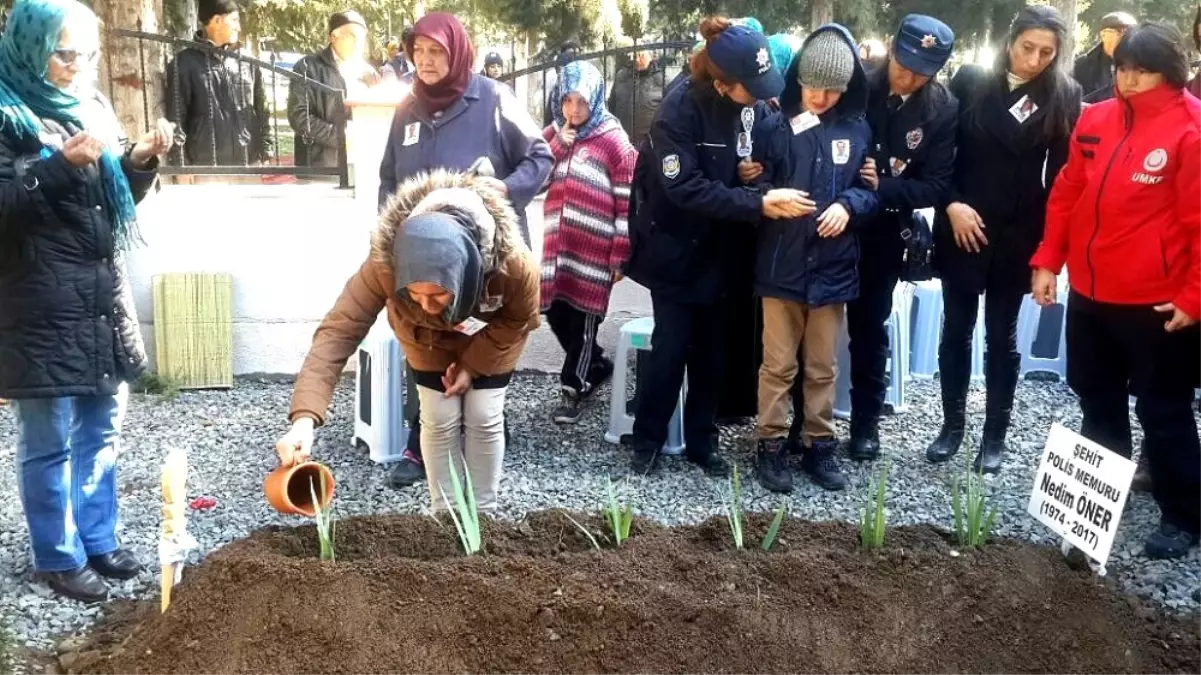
(687, 205)
(913, 121)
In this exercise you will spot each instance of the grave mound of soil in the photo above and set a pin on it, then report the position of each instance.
(402, 598)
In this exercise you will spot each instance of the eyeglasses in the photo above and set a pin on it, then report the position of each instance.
(69, 57)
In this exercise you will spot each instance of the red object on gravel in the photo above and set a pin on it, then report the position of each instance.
(202, 503)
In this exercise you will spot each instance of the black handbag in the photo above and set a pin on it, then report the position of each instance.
(917, 258)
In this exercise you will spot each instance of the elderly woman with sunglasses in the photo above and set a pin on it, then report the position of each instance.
(69, 338)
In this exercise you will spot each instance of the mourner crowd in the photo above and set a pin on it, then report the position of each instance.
(764, 197)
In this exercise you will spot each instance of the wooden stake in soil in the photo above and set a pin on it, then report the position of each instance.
(174, 540)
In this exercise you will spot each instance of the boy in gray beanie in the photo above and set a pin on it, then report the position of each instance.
(826, 62)
(805, 269)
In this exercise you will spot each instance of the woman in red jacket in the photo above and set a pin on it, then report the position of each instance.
(1124, 214)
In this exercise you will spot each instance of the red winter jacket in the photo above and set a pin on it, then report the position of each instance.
(1125, 213)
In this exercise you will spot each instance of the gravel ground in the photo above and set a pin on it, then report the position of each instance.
(230, 435)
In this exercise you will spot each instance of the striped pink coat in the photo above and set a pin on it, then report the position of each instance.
(586, 235)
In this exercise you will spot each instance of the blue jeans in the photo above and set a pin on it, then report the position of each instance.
(67, 476)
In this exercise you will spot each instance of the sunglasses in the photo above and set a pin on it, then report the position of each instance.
(69, 57)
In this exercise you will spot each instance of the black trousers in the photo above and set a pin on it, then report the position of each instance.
(879, 272)
(1002, 362)
(686, 337)
(1117, 351)
(585, 363)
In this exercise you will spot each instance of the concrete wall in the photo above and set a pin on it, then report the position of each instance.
(290, 249)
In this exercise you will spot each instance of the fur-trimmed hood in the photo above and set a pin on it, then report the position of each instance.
(496, 226)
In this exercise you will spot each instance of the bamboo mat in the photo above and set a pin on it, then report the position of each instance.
(193, 329)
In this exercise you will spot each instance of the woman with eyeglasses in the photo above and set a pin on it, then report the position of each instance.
(69, 337)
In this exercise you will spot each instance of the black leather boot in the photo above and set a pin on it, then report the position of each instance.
(954, 376)
(1001, 379)
(950, 437)
(864, 444)
(992, 444)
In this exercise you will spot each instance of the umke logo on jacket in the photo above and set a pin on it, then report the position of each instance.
(1154, 163)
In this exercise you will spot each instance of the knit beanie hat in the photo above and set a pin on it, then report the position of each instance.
(827, 62)
(207, 9)
(348, 17)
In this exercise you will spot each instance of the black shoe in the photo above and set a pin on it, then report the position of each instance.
(864, 444)
(821, 466)
(120, 564)
(646, 460)
(988, 460)
(408, 471)
(570, 411)
(711, 463)
(771, 464)
(1169, 542)
(82, 584)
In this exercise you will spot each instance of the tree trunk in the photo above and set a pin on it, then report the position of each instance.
(821, 12)
(1069, 11)
(131, 71)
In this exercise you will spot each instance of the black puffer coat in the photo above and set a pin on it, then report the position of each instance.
(220, 108)
(68, 326)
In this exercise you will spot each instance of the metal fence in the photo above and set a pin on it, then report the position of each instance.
(668, 60)
(242, 125)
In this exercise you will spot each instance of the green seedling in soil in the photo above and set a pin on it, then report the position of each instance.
(873, 521)
(969, 501)
(619, 516)
(733, 507)
(467, 521)
(581, 528)
(323, 516)
(773, 530)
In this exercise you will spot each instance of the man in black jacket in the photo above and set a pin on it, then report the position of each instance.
(318, 115)
(913, 120)
(1094, 70)
(217, 102)
(636, 95)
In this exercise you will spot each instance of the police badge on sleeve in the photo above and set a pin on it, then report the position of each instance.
(914, 138)
(671, 166)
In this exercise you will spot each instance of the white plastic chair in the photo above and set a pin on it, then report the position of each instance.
(380, 421)
(898, 361)
(635, 336)
(1030, 319)
(927, 332)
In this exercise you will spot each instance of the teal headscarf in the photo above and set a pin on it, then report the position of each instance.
(26, 97)
(584, 79)
(749, 22)
(783, 46)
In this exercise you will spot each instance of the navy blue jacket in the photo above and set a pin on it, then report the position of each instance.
(914, 148)
(688, 202)
(792, 261)
(487, 121)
